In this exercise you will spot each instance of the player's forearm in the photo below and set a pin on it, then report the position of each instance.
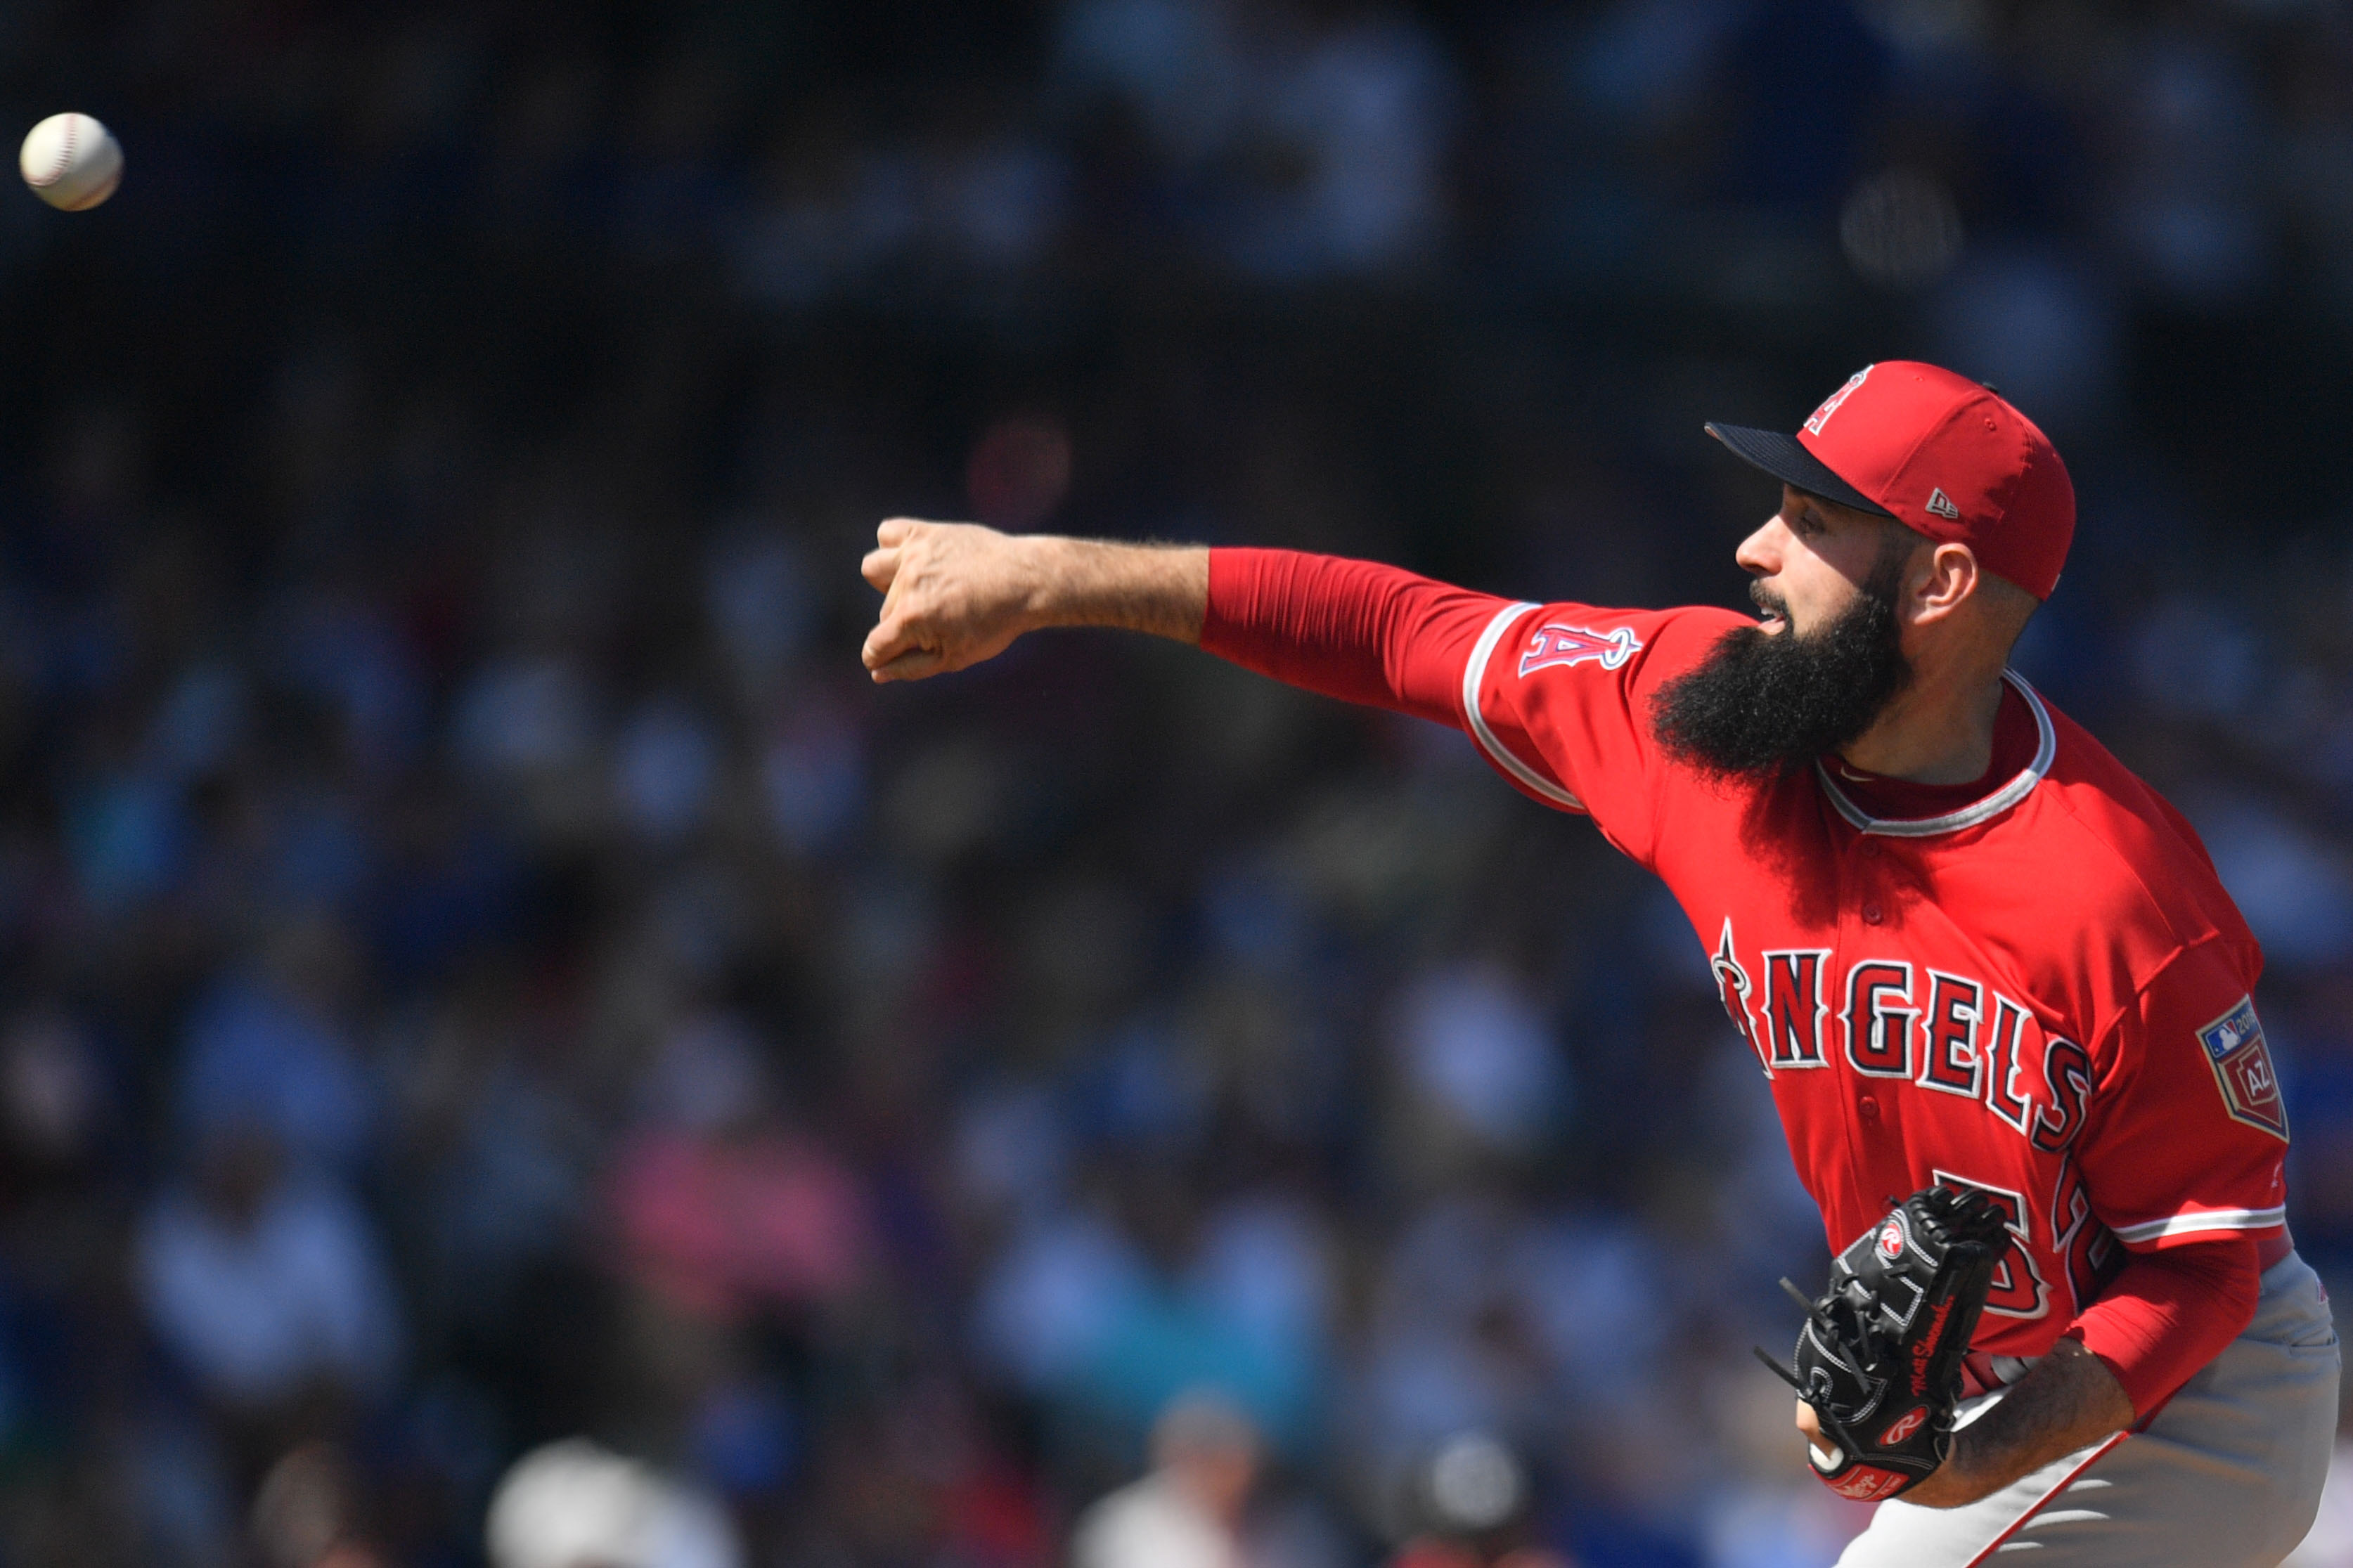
(2066, 1400)
(1163, 590)
(2164, 1316)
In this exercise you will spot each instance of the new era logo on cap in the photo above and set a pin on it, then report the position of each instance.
(1942, 505)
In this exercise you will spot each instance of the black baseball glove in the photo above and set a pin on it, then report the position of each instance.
(1879, 1356)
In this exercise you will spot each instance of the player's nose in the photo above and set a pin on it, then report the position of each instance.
(1760, 553)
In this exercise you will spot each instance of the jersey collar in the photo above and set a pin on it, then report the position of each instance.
(1982, 810)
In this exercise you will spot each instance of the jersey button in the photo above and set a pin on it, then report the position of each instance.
(1869, 850)
(1869, 1106)
(1870, 916)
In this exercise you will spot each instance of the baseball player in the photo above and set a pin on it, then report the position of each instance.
(1968, 948)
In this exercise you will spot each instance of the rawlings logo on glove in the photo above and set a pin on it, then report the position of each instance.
(1887, 1338)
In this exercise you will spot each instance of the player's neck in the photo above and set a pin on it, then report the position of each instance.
(1938, 731)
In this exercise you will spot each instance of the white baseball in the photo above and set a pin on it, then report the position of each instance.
(71, 162)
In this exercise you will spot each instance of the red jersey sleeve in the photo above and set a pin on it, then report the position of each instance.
(1556, 696)
(1352, 629)
(2186, 1134)
(2170, 1313)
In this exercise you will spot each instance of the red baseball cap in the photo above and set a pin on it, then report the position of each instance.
(1941, 454)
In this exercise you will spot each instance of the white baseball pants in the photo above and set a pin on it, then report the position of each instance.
(2228, 1476)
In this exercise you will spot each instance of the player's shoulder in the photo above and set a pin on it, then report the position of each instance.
(2131, 860)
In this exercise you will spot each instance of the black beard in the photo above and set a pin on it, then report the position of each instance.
(1762, 705)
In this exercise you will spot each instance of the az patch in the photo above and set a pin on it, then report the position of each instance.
(2242, 1066)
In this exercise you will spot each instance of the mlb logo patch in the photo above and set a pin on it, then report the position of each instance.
(2242, 1067)
(1556, 644)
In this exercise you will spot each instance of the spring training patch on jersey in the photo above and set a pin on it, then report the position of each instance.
(2242, 1066)
(1554, 644)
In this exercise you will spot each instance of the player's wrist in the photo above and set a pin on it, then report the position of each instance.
(1047, 569)
(1159, 589)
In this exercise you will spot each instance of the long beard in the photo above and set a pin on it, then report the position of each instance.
(1761, 706)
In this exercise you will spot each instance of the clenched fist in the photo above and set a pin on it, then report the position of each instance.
(954, 593)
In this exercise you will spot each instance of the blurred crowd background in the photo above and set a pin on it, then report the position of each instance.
(479, 968)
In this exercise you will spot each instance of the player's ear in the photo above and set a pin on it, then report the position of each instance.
(1943, 579)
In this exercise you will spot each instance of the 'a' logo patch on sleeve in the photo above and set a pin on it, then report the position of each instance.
(2242, 1066)
(1552, 644)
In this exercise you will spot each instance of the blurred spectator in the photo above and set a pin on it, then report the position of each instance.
(1470, 1506)
(1049, 1300)
(52, 1097)
(1189, 1511)
(1482, 1069)
(305, 1514)
(574, 1505)
(266, 1048)
(266, 1280)
(721, 1208)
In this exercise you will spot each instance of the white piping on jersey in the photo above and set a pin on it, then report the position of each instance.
(1474, 674)
(1992, 805)
(2189, 1221)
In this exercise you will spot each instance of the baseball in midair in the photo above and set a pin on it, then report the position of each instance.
(71, 162)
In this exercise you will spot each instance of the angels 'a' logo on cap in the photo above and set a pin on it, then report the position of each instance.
(1830, 403)
(1942, 505)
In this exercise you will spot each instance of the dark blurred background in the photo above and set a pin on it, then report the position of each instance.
(479, 966)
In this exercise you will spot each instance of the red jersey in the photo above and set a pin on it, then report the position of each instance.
(2043, 992)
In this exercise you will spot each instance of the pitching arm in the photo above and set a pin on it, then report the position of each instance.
(956, 593)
